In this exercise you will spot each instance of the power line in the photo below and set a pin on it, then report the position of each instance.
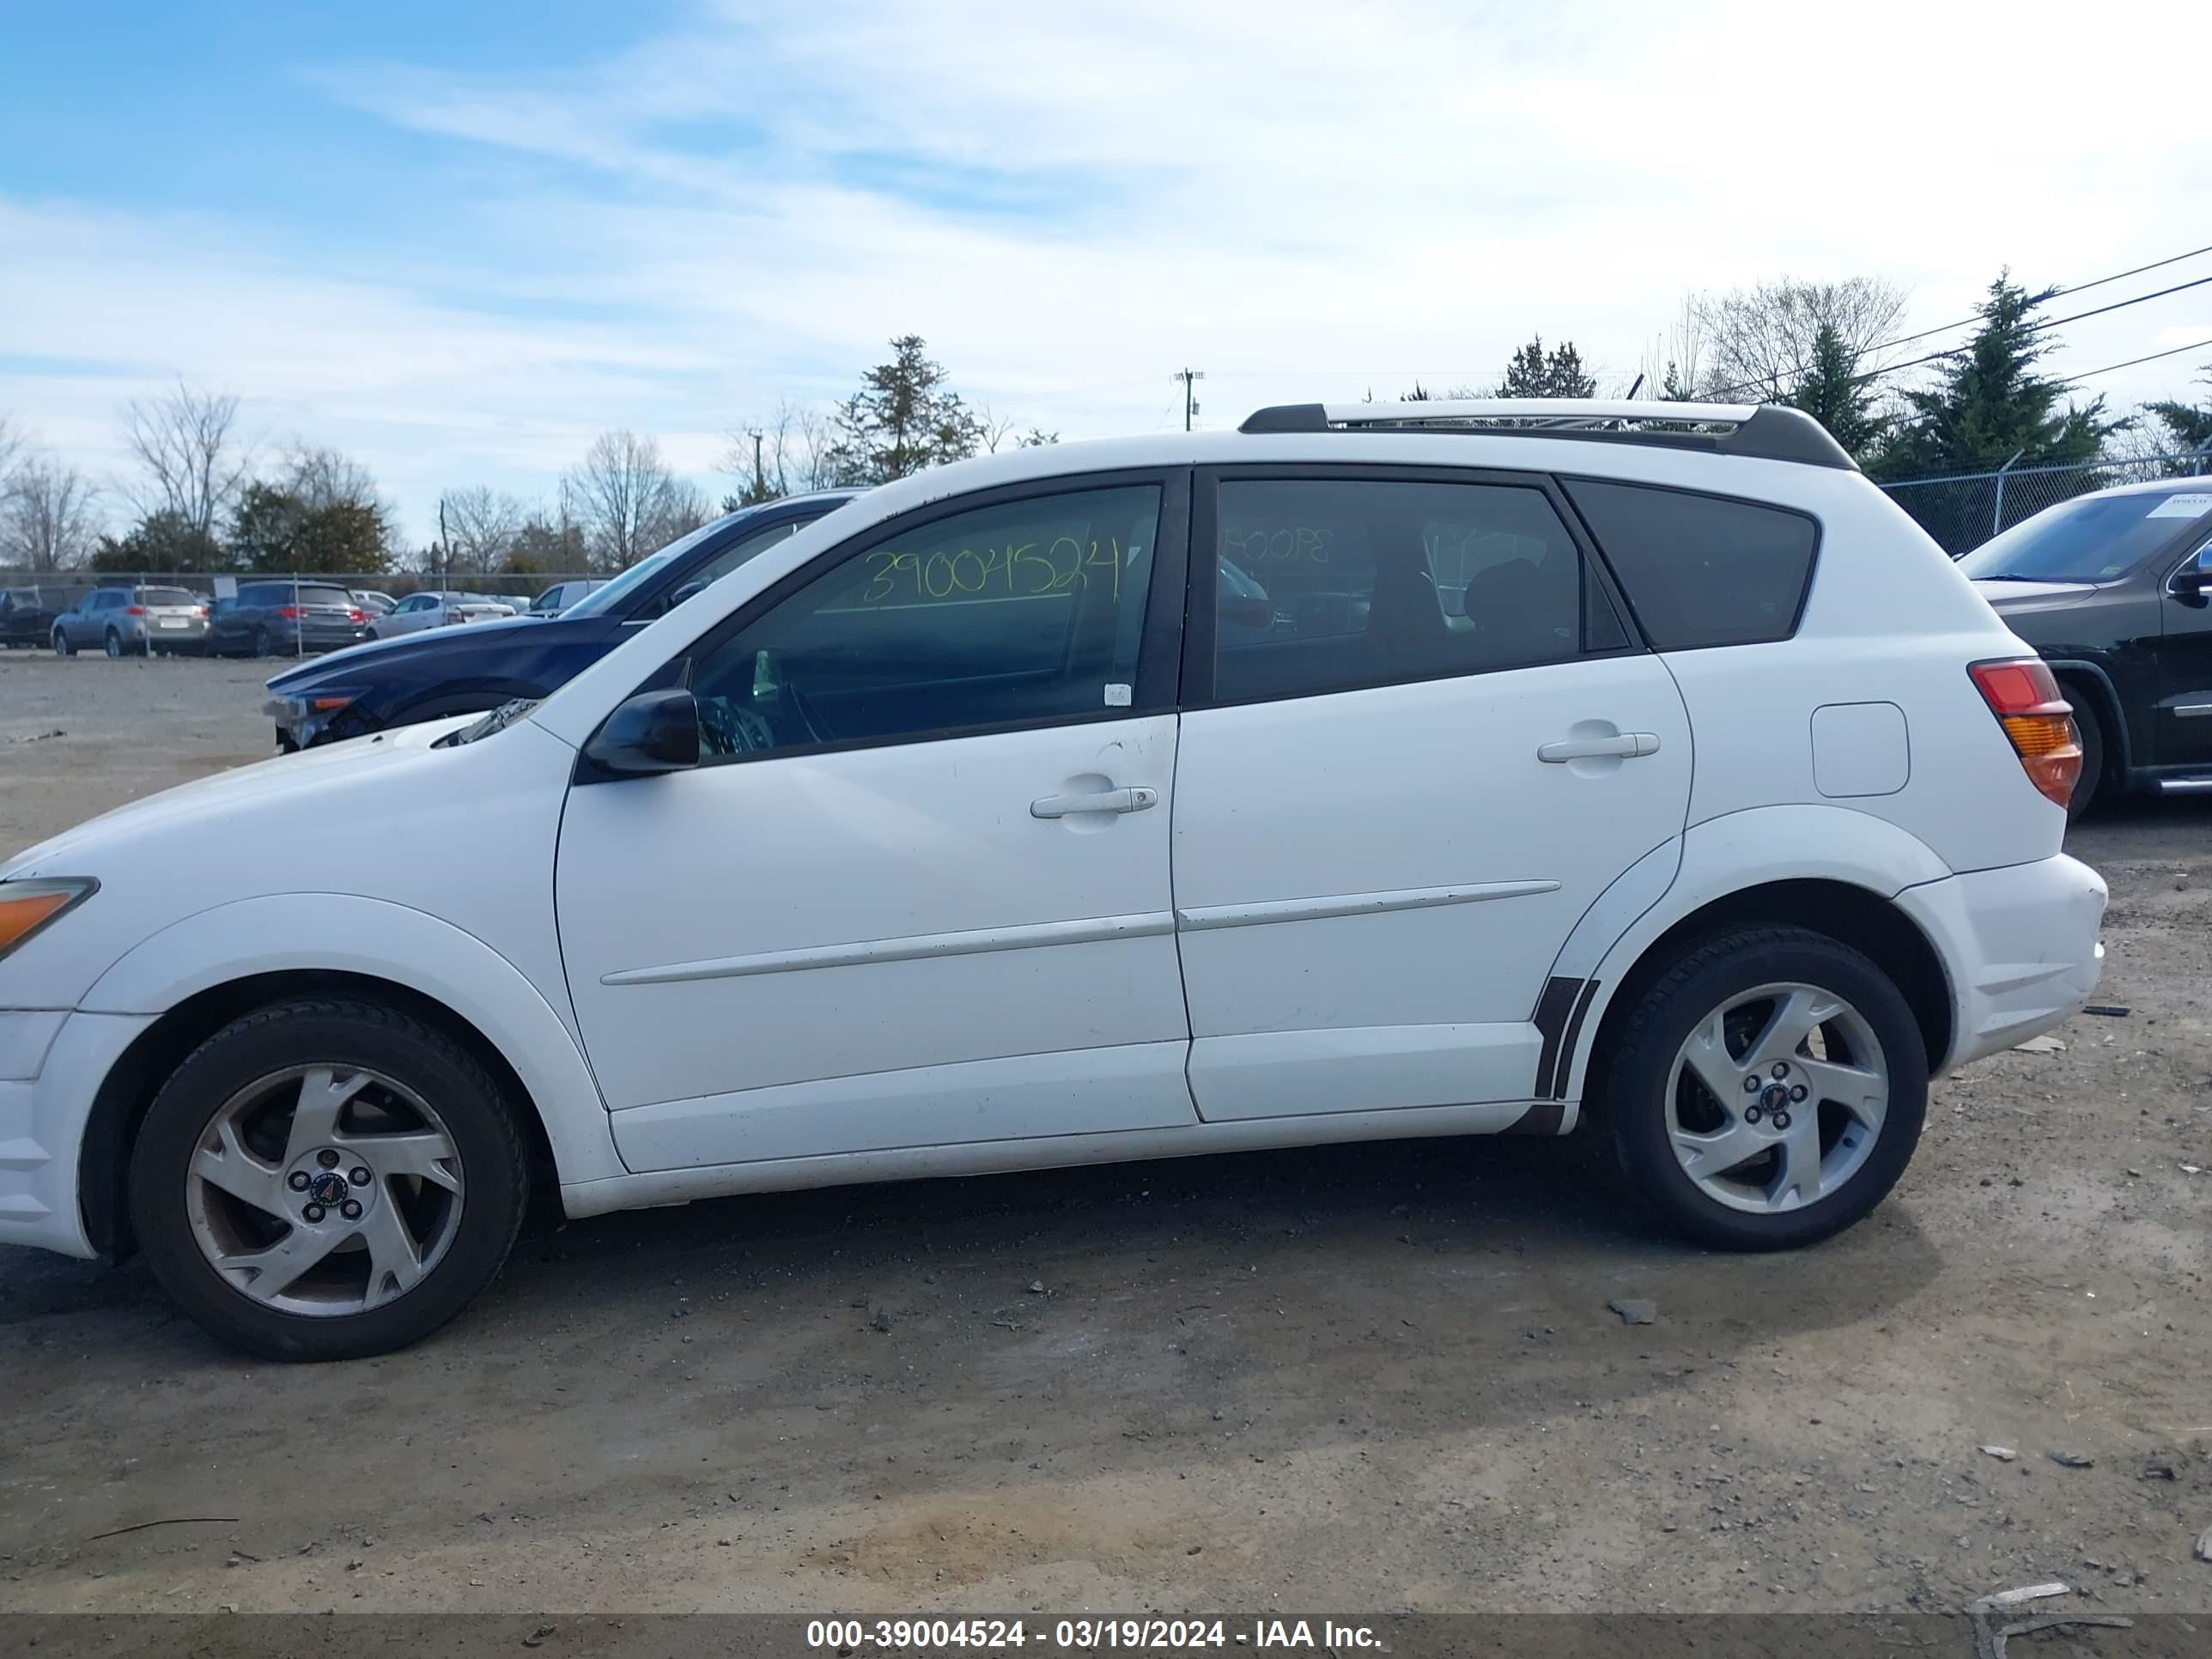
(1190, 378)
(2056, 293)
(2091, 374)
(2038, 328)
(1964, 322)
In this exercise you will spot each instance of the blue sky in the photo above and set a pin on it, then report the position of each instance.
(458, 240)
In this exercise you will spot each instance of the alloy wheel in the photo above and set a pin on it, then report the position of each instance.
(324, 1190)
(1777, 1097)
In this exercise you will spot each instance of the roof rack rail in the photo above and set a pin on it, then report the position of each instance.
(1767, 432)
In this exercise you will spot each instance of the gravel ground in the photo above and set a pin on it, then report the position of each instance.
(1369, 1377)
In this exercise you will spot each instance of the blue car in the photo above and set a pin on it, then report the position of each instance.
(473, 670)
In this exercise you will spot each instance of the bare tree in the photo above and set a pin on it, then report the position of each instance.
(12, 443)
(191, 464)
(1760, 341)
(626, 498)
(682, 510)
(325, 478)
(785, 455)
(47, 517)
(1674, 366)
(480, 526)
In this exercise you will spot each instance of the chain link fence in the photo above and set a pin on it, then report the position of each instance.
(1965, 509)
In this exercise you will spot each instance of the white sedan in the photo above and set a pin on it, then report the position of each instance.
(419, 611)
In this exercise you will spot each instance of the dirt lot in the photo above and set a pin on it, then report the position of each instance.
(1372, 1378)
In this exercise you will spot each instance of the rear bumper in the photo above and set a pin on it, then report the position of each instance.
(42, 1125)
(2020, 945)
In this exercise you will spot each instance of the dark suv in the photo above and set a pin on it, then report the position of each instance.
(460, 671)
(26, 617)
(285, 618)
(2114, 591)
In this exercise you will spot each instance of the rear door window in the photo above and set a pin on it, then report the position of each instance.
(1331, 584)
(1701, 571)
(168, 596)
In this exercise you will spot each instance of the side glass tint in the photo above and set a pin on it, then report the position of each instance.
(1028, 610)
(1328, 584)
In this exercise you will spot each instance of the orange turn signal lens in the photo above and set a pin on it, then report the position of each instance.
(2029, 705)
(28, 906)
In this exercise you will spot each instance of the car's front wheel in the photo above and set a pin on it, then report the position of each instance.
(1766, 1089)
(62, 646)
(326, 1179)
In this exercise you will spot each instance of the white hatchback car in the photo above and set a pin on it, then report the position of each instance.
(1371, 771)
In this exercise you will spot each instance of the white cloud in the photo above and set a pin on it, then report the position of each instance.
(1070, 202)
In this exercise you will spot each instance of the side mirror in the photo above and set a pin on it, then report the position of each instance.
(685, 592)
(2194, 580)
(654, 731)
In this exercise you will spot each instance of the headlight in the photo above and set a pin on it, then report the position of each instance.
(28, 906)
(298, 711)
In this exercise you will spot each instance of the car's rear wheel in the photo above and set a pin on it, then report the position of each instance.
(114, 643)
(258, 645)
(1766, 1090)
(327, 1179)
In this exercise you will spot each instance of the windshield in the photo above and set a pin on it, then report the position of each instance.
(600, 600)
(2093, 539)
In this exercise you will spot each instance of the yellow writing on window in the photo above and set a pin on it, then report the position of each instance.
(1018, 570)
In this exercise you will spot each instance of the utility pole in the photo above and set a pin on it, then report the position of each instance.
(1189, 377)
(444, 549)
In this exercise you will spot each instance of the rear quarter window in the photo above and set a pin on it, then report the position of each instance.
(1701, 571)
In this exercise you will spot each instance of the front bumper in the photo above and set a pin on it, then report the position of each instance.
(43, 1119)
(2020, 947)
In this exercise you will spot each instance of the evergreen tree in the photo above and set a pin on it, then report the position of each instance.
(1834, 394)
(1532, 372)
(161, 542)
(277, 532)
(1989, 403)
(2188, 429)
(904, 418)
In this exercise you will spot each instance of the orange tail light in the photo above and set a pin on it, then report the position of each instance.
(2024, 695)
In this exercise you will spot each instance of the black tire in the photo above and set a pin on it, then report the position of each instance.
(1629, 1090)
(340, 1032)
(2089, 727)
(63, 648)
(258, 645)
(114, 643)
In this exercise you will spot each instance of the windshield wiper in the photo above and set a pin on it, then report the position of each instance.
(498, 721)
(2016, 576)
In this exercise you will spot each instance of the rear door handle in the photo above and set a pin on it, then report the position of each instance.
(1628, 747)
(1106, 800)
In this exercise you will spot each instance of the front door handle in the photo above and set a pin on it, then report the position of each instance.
(1626, 746)
(1106, 800)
